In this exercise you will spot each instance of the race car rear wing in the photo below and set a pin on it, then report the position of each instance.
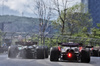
(26, 43)
(89, 46)
(69, 44)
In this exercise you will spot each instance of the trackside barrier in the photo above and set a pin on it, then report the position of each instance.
(15, 36)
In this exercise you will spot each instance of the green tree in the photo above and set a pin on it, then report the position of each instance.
(61, 6)
(96, 31)
(75, 20)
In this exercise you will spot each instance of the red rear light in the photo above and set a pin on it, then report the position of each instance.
(91, 48)
(69, 55)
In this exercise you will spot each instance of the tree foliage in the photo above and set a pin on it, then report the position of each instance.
(74, 19)
(96, 31)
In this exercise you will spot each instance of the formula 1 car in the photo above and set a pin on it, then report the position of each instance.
(70, 52)
(28, 50)
(90, 48)
(94, 51)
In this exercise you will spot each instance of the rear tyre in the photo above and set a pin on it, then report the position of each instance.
(85, 56)
(99, 53)
(12, 51)
(40, 52)
(46, 51)
(22, 54)
(95, 52)
(54, 54)
(29, 54)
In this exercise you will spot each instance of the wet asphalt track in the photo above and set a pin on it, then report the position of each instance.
(5, 61)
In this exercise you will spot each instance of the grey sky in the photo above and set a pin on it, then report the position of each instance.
(16, 7)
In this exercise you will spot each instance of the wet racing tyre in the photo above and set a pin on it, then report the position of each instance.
(54, 54)
(40, 54)
(85, 56)
(1, 50)
(95, 52)
(12, 51)
(22, 54)
(99, 53)
(29, 54)
(46, 51)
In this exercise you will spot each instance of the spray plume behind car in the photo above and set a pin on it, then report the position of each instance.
(28, 50)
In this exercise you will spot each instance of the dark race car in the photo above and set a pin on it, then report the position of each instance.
(70, 52)
(28, 50)
(94, 51)
(90, 48)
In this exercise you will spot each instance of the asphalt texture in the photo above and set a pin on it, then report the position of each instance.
(5, 61)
